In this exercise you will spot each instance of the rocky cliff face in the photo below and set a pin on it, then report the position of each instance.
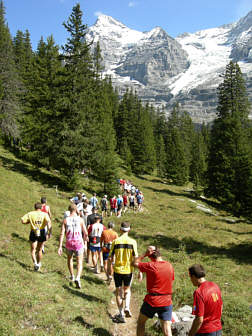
(164, 70)
(157, 58)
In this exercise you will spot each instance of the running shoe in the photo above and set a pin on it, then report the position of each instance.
(127, 313)
(110, 278)
(37, 267)
(118, 319)
(77, 283)
(71, 278)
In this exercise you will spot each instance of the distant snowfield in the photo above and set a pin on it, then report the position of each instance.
(208, 54)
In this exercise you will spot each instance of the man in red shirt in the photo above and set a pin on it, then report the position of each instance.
(113, 205)
(207, 304)
(159, 280)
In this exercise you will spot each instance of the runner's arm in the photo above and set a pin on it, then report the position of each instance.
(49, 227)
(25, 219)
(84, 230)
(197, 322)
(49, 212)
(61, 237)
(137, 260)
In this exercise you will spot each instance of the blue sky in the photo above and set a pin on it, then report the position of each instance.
(45, 17)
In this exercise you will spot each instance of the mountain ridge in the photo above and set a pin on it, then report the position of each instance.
(164, 70)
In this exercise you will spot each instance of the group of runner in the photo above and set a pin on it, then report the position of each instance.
(132, 194)
(116, 205)
(118, 256)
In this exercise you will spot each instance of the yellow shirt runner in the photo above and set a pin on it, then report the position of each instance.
(124, 249)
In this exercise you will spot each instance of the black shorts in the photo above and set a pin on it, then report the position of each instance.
(132, 204)
(119, 206)
(104, 208)
(40, 239)
(124, 279)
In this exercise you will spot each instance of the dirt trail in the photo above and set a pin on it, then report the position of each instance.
(122, 329)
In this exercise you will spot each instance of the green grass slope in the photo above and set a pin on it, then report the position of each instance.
(43, 303)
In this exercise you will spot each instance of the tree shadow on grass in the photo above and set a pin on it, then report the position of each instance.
(153, 180)
(169, 192)
(32, 173)
(16, 235)
(241, 252)
(83, 295)
(95, 331)
(188, 195)
(25, 266)
(85, 324)
(101, 332)
(235, 232)
(95, 280)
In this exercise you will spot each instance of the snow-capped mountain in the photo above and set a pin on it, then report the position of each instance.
(164, 70)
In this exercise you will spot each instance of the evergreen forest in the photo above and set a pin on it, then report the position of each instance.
(57, 111)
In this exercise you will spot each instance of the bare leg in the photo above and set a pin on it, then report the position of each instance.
(127, 295)
(166, 327)
(39, 252)
(100, 258)
(88, 254)
(33, 251)
(85, 249)
(79, 266)
(141, 324)
(106, 268)
(94, 258)
(119, 300)
(70, 265)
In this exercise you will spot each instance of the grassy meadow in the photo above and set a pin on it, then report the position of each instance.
(43, 303)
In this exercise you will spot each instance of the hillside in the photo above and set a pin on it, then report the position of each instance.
(43, 303)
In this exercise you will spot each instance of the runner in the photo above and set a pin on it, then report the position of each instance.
(39, 222)
(132, 202)
(119, 205)
(159, 280)
(90, 221)
(73, 227)
(45, 208)
(76, 199)
(207, 304)
(94, 232)
(104, 206)
(124, 249)
(91, 218)
(106, 241)
(80, 209)
(94, 201)
(125, 202)
(113, 206)
(140, 199)
(133, 189)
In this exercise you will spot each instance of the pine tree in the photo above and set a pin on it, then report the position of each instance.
(198, 164)
(177, 164)
(230, 166)
(9, 83)
(161, 155)
(105, 160)
(76, 95)
(39, 120)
